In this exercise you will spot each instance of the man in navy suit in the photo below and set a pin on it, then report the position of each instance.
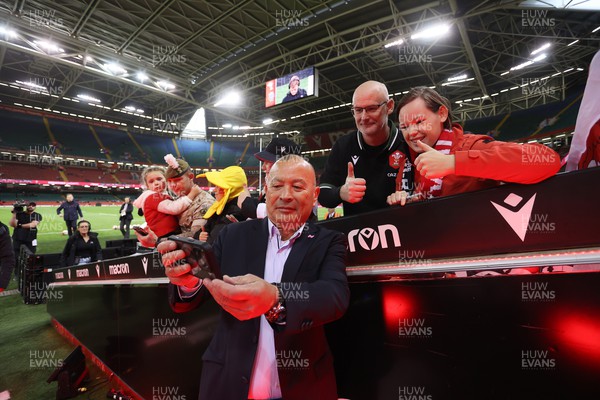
(283, 279)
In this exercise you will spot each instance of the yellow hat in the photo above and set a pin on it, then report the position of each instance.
(232, 180)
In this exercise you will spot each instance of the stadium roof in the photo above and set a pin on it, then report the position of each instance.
(52, 52)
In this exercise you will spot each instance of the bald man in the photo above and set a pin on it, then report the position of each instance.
(284, 279)
(368, 165)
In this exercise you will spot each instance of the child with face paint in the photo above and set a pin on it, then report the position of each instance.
(447, 161)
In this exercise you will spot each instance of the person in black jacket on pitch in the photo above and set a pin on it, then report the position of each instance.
(125, 217)
(71, 208)
(83, 247)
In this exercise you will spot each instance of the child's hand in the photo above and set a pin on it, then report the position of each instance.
(195, 191)
(203, 235)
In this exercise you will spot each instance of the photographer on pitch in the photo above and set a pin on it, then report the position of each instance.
(25, 222)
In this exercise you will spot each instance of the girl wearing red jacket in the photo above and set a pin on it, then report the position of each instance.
(448, 161)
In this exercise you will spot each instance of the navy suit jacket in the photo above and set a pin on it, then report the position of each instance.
(315, 287)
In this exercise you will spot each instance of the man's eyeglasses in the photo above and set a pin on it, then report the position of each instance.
(368, 110)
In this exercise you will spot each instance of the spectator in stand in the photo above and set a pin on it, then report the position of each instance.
(125, 217)
(447, 161)
(25, 232)
(83, 247)
(71, 209)
(7, 257)
(230, 183)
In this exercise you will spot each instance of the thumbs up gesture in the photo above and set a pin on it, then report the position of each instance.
(432, 164)
(354, 189)
(203, 235)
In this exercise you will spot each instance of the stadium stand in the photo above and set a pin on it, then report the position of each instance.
(75, 138)
(524, 123)
(14, 170)
(154, 146)
(119, 145)
(22, 131)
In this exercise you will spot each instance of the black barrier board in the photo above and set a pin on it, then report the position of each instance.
(137, 266)
(554, 214)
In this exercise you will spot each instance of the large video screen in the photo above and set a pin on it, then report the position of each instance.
(292, 87)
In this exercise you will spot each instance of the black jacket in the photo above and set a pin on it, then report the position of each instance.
(217, 222)
(7, 256)
(374, 164)
(316, 267)
(71, 210)
(128, 210)
(71, 254)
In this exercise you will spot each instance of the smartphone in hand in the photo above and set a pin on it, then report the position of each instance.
(140, 230)
(200, 256)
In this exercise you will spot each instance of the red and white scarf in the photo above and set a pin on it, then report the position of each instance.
(433, 187)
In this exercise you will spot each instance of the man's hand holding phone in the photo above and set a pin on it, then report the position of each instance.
(176, 268)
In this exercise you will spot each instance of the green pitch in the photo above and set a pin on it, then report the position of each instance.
(50, 237)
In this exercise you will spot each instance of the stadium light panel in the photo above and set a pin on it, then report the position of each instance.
(433, 31)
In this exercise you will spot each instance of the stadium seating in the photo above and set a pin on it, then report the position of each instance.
(15, 170)
(75, 138)
(22, 131)
(120, 146)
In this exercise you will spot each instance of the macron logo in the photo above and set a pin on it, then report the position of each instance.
(519, 219)
(355, 159)
(145, 265)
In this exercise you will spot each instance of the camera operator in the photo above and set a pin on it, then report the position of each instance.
(25, 224)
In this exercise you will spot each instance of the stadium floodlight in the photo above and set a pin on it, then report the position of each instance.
(226, 126)
(115, 69)
(8, 32)
(529, 62)
(267, 121)
(394, 43)
(141, 76)
(573, 42)
(87, 97)
(594, 31)
(231, 98)
(48, 46)
(457, 78)
(541, 48)
(433, 31)
(165, 85)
